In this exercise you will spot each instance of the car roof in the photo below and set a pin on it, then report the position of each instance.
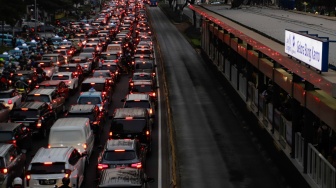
(94, 80)
(62, 73)
(146, 82)
(69, 65)
(126, 144)
(121, 177)
(130, 112)
(4, 148)
(31, 105)
(41, 91)
(70, 123)
(54, 154)
(8, 126)
(50, 82)
(81, 108)
(139, 96)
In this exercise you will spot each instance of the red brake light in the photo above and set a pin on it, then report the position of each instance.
(10, 101)
(4, 170)
(136, 165)
(102, 166)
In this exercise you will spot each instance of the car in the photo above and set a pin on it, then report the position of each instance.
(12, 164)
(48, 67)
(113, 67)
(4, 113)
(99, 84)
(104, 74)
(55, 101)
(69, 78)
(141, 77)
(145, 66)
(84, 62)
(59, 85)
(75, 68)
(10, 98)
(55, 58)
(147, 87)
(50, 165)
(94, 97)
(34, 115)
(16, 134)
(131, 123)
(125, 176)
(140, 100)
(91, 111)
(122, 153)
(29, 77)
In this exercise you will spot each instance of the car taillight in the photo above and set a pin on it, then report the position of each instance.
(67, 173)
(4, 171)
(84, 146)
(10, 101)
(147, 133)
(39, 122)
(150, 111)
(49, 146)
(136, 165)
(102, 166)
(28, 177)
(110, 134)
(29, 81)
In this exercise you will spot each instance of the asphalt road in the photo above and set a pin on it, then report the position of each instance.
(214, 148)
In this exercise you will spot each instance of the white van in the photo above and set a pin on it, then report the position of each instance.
(75, 132)
(114, 48)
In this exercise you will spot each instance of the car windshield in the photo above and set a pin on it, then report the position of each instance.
(41, 168)
(142, 77)
(67, 69)
(87, 115)
(136, 104)
(89, 100)
(6, 136)
(23, 114)
(5, 95)
(96, 86)
(60, 77)
(38, 98)
(142, 88)
(128, 126)
(123, 155)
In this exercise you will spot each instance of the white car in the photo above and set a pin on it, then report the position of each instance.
(68, 77)
(50, 165)
(10, 98)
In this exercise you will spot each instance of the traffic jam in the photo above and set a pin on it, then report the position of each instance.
(87, 60)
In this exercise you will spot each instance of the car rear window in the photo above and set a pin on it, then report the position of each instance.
(6, 136)
(143, 66)
(89, 100)
(119, 155)
(48, 86)
(128, 125)
(53, 168)
(101, 74)
(60, 77)
(109, 56)
(96, 86)
(142, 77)
(23, 114)
(88, 115)
(38, 98)
(136, 104)
(142, 88)
(5, 95)
(67, 69)
(2, 162)
(109, 67)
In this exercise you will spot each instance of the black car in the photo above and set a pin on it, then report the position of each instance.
(28, 77)
(12, 164)
(37, 116)
(97, 118)
(16, 134)
(132, 123)
(122, 153)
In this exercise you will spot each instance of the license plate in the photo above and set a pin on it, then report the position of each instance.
(47, 182)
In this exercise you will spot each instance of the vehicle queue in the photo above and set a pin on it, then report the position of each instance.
(37, 82)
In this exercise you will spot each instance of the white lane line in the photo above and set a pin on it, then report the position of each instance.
(159, 127)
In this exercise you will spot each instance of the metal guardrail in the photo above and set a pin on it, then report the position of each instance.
(299, 148)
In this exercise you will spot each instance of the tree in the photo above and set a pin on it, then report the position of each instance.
(11, 11)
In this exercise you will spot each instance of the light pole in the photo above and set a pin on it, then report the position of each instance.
(35, 7)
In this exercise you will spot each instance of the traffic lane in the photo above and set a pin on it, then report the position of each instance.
(213, 149)
(121, 90)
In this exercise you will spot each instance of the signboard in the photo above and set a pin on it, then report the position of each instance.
(309, 49)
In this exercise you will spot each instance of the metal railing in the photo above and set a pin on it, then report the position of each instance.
(319, 168)
(299, 148)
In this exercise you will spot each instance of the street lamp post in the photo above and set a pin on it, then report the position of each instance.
(35, 7)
